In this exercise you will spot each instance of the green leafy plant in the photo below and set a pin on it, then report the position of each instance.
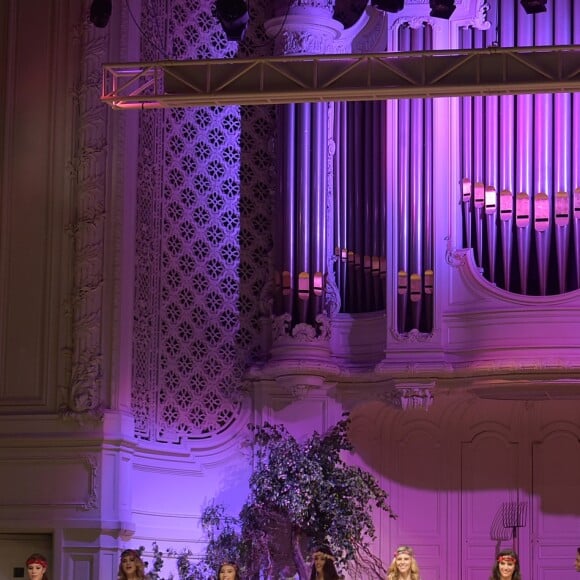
(153, 573)
(301, 495)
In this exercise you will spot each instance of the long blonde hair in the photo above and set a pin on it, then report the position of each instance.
(393, 572)
(139, 564)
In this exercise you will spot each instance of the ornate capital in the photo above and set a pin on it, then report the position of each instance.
(412, 336)
(408, 396)
(283, 330)
(306, 29)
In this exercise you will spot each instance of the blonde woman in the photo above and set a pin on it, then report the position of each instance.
(404, 566)
(131, 566)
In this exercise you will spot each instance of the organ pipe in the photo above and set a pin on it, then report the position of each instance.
(300, 250)
(533, 159)
(428, 266)
(506, 213)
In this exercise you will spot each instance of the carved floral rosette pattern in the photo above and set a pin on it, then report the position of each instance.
(204, 228)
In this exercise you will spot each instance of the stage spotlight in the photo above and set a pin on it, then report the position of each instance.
(442, 8)
(233, 16)
(534, 6)
(388, 5)
(101, 12)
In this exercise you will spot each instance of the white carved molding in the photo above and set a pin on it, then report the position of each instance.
(73, 482)
(82, 397)
(371, 35)
(284, 334)
(299, 386)
(468, 13)
(412, 395)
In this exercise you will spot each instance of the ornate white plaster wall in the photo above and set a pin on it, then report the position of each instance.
(64, 267)
(68, 196)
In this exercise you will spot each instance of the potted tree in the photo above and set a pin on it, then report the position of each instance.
(301, 494)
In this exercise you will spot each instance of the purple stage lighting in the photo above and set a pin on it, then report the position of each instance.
(101, 12)
(534, 6)
(442, 8)
(233, 16)
(388, 5)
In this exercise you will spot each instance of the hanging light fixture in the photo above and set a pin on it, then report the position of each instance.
(534, 6)
(233, 16)
(101, 12)
(388, 5)
(442, 8)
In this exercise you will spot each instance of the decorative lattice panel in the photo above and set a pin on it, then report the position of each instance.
(203, 239)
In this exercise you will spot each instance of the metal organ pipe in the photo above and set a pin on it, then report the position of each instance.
(562, 162)
(506, 212)
(362, 218)
(351, 210)
(478, 160)
(467, 153)
(319, 193)
(532, 158)
(300, 251)
(543, 161)
(524, 164)
(576, 152)
(357, 200)
(491, 160)
(561, 221)
(478, 206)
(340, 202)
(378, 249)
(428, 268)
(416, 167)
(287, 150)
(367, 194)
(490, 216)
(403, 197)
(466, 207)
(303, 208)
(506, 152)
(576, 209)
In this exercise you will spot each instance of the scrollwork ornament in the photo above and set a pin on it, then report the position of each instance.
(294, 42)
(455, 259)
(331, 148)
(416, 23)
(412, 396)
(332, 296)
(480, 20)
(323, 327)
(327, 5)
(83, 401)
(92, 500)
(266, 300)
(368, 40)
(300, 391)
(304, 332)
(413, 335)
(281, 326)
(82, 396)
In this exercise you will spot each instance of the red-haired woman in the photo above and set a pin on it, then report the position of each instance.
(36, 565)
